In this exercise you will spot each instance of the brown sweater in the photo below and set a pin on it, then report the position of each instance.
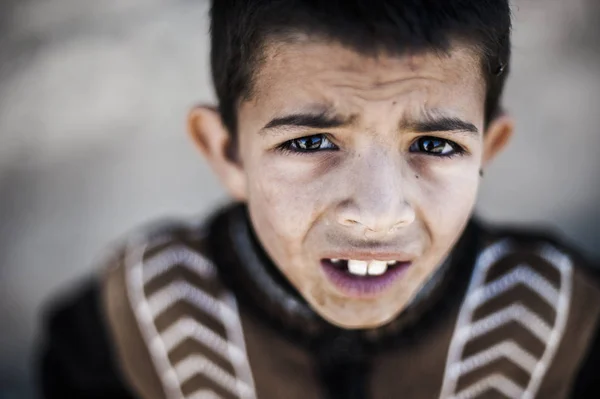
(200, 312)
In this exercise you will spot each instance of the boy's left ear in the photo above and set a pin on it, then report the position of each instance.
(497, 136)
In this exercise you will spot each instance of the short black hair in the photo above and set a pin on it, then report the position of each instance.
(241, 28)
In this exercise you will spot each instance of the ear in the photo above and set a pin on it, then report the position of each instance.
(207, 131)
(497, 136)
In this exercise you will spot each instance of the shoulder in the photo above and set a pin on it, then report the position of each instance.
(577, 281)
(529, 296)
(93, 342)
(543, 268)
(77, 358)
(170, 316)
(540, 248)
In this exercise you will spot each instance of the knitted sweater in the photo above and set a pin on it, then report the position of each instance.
(197, 312)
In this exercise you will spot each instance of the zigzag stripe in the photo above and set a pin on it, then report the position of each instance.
(134, 258)
(222, 309)
(479, 293)
(498, 382)
(198, 364)
(182, 290)
(233, 326)
(516, 312)
(520, 275)
(187, 327)
(203, 394)
(177, 255)
(559, 260)
(487, 258)
(508, 349)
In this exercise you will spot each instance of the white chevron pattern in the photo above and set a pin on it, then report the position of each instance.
(177, 255)
(517, 313)
(204, 394)
(187, 327)
(508, 349)
(223, 310)
(467, 329)
(520, 275)
(498, 382)
(181, 290)
(198, 364)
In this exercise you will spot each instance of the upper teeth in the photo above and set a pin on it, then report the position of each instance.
(377, 267)
(358, 267)
(363, 267)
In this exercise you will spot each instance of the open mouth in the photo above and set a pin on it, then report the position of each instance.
(362, 267)
(363, 278)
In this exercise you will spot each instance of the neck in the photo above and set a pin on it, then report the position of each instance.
(253, 276)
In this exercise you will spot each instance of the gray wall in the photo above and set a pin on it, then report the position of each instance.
(93, 97)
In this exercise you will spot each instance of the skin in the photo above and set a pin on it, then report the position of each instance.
(376, 191)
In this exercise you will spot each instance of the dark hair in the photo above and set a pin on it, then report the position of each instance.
(241, 28)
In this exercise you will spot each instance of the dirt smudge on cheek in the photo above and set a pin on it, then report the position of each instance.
(318, 294)
(420, 167)
(325, 165)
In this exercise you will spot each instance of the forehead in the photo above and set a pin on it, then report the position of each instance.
(304, 74)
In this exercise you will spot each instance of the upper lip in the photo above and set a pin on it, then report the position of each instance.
(370, 255)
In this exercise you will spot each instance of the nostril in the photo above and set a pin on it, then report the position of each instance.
(373, 233)
(349, 222)
(402, 223)
(347, 214)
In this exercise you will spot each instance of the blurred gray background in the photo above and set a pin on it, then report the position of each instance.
(93, 98)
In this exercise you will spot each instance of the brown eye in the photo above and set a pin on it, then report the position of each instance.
(317, 142)
(434, 146)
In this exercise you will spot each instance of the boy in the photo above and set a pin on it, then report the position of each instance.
(353, 135)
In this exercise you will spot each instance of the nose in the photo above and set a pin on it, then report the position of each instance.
(373, 222)
(378, 205)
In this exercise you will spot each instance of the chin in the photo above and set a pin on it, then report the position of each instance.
(353, 322)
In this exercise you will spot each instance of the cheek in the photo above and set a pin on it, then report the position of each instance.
(446, 196)
(287, 197)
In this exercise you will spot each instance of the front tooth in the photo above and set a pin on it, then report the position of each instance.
(391, 262)
(358, 267)
(377, 267)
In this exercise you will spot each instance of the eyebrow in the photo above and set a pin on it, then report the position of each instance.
(430, 122)
(439, 123)
(312, 120)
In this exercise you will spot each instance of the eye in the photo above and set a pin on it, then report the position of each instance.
(314, 143)
(435, 146)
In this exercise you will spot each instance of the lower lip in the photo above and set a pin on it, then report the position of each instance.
(363, 286)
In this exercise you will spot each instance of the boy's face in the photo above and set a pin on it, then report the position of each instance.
(346, 159)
